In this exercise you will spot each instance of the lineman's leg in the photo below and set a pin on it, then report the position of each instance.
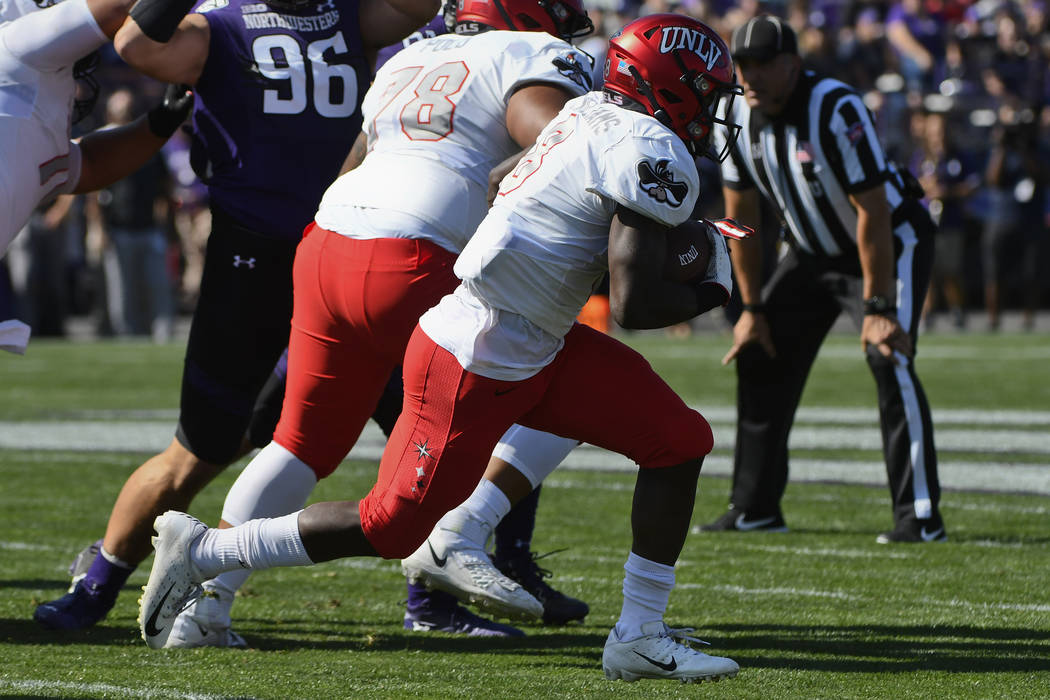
(356, 302)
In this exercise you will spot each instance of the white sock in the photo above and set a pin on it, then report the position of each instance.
(115, 561)
(476, 517)
(646, 589)
(275, 482)
(257, 544)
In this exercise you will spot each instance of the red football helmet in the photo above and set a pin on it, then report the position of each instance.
(565, 19)
(678, 70)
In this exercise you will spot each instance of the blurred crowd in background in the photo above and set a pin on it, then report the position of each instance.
(960, 90)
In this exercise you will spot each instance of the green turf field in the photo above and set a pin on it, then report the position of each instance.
(820, 612)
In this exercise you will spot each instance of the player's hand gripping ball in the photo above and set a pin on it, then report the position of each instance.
(688, 251)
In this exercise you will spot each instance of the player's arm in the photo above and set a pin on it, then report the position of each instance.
(639, 294)
(178, 60)
(529, 109)
(108, 155)
(875, 247)
(384, 22)
(356, 155)
(744, 205)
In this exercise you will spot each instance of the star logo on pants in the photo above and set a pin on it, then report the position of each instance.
(423, 449)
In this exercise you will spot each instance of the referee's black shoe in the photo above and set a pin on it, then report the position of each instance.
(736, 520)
(915, 531)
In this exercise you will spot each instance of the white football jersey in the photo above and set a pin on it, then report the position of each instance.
(37, 53)
(435, 118)
(543, 247)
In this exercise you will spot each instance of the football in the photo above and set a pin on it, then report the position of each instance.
(688, 251)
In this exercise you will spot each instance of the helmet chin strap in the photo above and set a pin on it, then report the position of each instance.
(645, 91)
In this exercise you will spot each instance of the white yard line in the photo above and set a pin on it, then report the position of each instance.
(839, 595)
(42, 686)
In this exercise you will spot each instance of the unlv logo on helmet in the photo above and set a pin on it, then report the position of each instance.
(658, 181)
(679, 71)
(685, 39)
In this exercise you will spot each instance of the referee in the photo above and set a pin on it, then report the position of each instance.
(860, 242)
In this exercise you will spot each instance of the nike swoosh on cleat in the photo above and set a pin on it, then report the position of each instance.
(439, 561)
(930, 536)
(742, 524)
(151, 624)
(672, 665)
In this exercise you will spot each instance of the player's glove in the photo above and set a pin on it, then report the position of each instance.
(731, 229)
(165, 118)
(716, 286)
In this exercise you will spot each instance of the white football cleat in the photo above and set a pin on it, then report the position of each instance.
(174, 581)
(658, 653)
(458, 564)
(205, 623)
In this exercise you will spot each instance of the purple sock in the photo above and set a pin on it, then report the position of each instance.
(419, 598)
(104, 577)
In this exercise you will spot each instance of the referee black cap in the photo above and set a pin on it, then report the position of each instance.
(762, 38)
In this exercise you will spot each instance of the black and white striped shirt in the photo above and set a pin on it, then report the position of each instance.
(810, 158)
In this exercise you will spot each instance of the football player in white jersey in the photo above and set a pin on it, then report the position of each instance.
(42, 44)
(441, 113)
(598, 191)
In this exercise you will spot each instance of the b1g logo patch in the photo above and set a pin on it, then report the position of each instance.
(658, 181)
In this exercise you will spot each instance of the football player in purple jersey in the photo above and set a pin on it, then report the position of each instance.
(278, 87)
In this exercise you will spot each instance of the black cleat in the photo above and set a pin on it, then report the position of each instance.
(558, 608)
(736, 520)
(916, 531)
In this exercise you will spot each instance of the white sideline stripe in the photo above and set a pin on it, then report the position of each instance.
(152, 436)
(99, 688)
(927, 352)
(721, 414)
(149, 436)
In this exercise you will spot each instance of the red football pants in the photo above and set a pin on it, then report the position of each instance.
(356, 303)
(596, 390)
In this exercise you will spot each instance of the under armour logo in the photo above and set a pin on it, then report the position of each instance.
(326, 6)
(238, 261)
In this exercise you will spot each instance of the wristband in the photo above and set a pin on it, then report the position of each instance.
(755, 308)
(878, 306)
(158, 18)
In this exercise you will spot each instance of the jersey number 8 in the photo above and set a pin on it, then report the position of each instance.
(427, 114)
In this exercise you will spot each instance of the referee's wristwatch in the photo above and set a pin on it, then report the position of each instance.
(879, 305)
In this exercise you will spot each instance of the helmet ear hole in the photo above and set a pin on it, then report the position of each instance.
(668, 97)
